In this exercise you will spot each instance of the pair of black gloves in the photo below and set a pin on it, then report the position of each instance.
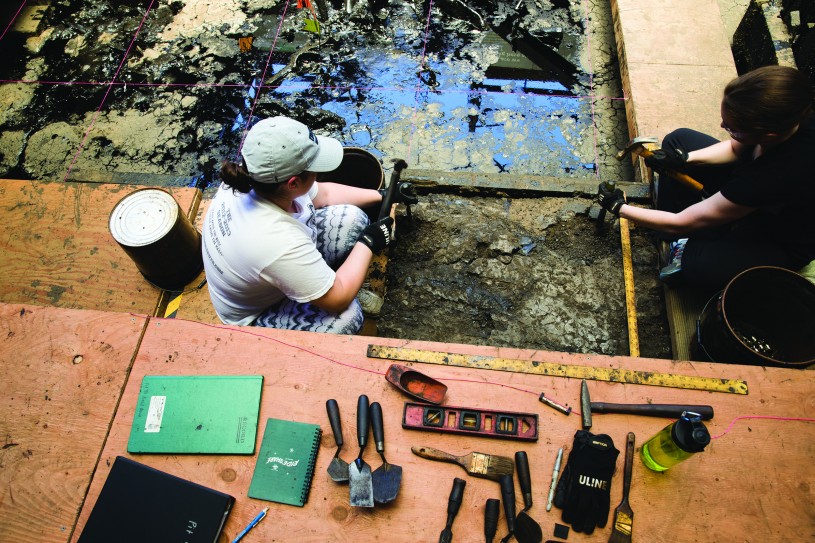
(612, 199)
(584, 489)
(378, 235)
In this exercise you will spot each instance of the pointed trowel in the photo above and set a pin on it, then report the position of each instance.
(338, 468)
(359, 473)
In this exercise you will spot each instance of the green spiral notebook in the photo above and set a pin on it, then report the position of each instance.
(196, 414)
(285, 465)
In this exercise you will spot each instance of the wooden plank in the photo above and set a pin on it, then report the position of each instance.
(522, 183)
(683, 306)
(677, 82)
(303, 370)
(61, 375)
(57, 249)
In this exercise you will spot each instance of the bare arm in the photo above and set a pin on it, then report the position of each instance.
(722, 152)
(713, 211)
(334, 193)
(348, 280)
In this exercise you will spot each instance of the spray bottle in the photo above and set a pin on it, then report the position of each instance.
(676, 442)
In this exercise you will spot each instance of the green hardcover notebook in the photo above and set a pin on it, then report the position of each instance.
(285, 465)
(206, 414)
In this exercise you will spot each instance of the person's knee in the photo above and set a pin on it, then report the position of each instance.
(357, 216)
(687, 139)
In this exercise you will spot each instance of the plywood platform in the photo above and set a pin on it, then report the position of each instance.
(62, 373)
(302, 370)
(57, 249)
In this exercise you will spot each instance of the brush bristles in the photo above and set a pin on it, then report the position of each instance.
(489, 466)
(623, 525)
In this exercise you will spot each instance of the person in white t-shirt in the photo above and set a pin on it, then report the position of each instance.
(282, 250)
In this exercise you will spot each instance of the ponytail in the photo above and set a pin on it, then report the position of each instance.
(236, 176)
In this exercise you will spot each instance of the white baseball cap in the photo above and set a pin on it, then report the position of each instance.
(278, 148)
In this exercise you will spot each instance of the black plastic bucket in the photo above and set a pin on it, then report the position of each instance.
(764, 316)
(359, 168)
(149, 225)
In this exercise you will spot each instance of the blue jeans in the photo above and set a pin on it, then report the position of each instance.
(338, 228)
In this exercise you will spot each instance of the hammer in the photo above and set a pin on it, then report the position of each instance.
(587, 407)
(645, 148)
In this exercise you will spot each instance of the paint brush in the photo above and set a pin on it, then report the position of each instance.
(486, 466)
(624, 515)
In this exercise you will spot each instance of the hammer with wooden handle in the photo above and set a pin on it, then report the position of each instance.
(645, 148)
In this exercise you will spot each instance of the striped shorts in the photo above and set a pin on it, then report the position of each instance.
(338, 228)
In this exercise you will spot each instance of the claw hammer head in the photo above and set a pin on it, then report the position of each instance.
(639, 145)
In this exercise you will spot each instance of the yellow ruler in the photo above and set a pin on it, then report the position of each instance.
(630, 298)
(634, 377)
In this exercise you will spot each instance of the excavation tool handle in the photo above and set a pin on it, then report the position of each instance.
(434, 454)
(378, 427)
(687, 180)
(393, 186)
(508, 497)
(629, 460)
(363, 424)
(652, 409)
(334, 419)
(524, 479)
(491, 514)
(456, 497)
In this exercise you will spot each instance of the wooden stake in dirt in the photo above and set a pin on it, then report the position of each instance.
(630, 298)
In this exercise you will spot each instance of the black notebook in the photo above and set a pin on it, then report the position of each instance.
(138, 504)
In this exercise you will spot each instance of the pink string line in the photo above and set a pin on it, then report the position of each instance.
(759, 417)
(13, 19)
(303, 87)
(243, 330)
(262, 79)
(107, 92)
(591, 88)
(418, 87)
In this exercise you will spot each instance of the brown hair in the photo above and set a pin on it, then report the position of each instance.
(771, 99)
(237, 177)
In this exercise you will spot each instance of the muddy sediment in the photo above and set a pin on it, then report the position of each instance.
(106, 92)
(532, 273)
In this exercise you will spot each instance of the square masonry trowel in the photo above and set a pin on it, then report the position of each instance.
(359, 473)
(387, 478)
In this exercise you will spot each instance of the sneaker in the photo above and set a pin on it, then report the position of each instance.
(371, 303)
(671, 272)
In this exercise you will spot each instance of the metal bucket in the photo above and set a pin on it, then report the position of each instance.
(764, 316)
(358, 168)
(153, 230)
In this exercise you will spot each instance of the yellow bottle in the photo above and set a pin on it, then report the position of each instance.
(676, 442)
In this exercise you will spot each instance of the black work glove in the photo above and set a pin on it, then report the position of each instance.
(404, 194)
(612, 199)
(667, 159)
(584, 489)
(377, 235)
